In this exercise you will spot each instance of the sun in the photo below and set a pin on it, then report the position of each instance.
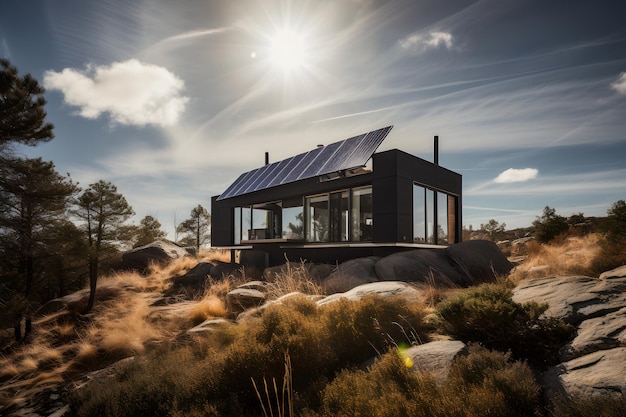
(288, 51)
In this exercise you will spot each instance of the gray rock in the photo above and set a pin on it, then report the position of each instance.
(241, 299)
(599, 333)
(478, 261)
(386, 288)
(597, 374)
(420, 265)
(255, 285)
(351, 274)
(435, 357)
(160, 252)
(195, 277)
(221, 270)
(619, 272)
(574, 298)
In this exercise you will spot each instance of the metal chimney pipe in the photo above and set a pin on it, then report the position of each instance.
(436, 151)
(267, 158)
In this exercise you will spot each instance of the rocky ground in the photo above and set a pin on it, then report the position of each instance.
(592, 363)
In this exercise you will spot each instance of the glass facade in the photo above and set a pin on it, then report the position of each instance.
(338, 216)
(434, 219)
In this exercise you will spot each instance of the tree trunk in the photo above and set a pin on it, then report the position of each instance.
(93, 281)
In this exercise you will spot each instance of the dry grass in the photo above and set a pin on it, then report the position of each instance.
(210, 306)
(293, 279)
(569, 256)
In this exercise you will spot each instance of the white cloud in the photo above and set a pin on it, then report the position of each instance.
(432, 41)
(619, 85)
(516, 175)
(131, 92)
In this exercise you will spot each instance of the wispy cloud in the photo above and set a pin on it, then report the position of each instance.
(194, 34)
(131, 92)
(433, 40)
(6, 51)
(516, 175)
(589, 183)
(619, 85)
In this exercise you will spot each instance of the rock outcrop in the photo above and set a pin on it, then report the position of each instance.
(461, 264)
(160, 252)
(593, 362)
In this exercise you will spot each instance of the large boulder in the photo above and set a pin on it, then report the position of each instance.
(478, 261)
(434, 357)
(160, 252)
(597, 374)
(246, 296)
(599, 333)
(351, 274)
(420, 265)
(194, 278)
(574, 298)
(383, 289)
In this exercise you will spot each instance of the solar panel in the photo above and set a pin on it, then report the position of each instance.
(338, 156)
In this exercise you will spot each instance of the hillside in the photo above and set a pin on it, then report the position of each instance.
(152, 347)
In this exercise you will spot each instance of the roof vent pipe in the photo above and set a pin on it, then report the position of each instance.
(267, 158)
(436, 151)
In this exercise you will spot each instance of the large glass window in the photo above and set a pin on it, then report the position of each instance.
(442, 218)
(339, 206)
(317, 212)
(434, 219)
(430, 216)
(419, 214)
(362, 214)
(293, 220)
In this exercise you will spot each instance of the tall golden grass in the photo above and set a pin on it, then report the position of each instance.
(570, 255)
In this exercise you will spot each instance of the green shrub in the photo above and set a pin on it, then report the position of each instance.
(485, 383)
(488, 315)
(368, 327)
(214, 376)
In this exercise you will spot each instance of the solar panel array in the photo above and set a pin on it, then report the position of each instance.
(339, 156)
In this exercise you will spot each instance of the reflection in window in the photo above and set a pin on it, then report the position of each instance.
(362, 214)
(246, 222)
(434, 219)
(317, 218)
(419, 214)
(442, 218)
(293, 220)
(339, 216)
(430, 216)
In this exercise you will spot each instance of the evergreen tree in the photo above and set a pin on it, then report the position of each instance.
(196, 229)
(615, 223)
(35, 198)
(103, 212)
(149, 230)
(22, 115)
(549, 225)
(493, 229)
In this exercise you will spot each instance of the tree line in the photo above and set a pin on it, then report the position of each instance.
(54, 235)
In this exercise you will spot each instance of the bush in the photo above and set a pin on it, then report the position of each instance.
(484, 383)
(215, 375)
(549, 225)
(488, 315)
(562, 406)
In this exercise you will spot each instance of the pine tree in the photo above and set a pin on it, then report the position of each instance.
(149, 230)
(22, 115)
(103, 212)
(196, 229)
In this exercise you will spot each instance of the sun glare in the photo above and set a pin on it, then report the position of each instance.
(288, 51)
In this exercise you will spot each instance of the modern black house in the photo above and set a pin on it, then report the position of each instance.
(328, 205)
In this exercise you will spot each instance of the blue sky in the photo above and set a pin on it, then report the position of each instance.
(171, 101)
